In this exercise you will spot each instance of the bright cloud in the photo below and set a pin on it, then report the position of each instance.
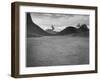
(60, 21)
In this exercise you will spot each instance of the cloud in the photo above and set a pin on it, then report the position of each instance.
(60, 21)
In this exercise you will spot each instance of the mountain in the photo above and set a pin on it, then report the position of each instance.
(33, 30)
(68, 30)
(51, 31)
(83, 28)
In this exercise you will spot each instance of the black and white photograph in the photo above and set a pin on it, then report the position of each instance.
(52, 39)
(57, 39)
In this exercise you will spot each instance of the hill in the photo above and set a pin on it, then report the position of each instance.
(83, 28)
(68, 30)
(33, 30)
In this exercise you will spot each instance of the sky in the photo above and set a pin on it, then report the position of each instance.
(59, 21)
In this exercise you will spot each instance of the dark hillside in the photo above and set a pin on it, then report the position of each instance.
(83, 28)
(68, 30)
(34, 30)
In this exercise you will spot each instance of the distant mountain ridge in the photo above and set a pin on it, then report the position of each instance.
(83, 28)
(33, 30)
(70, 29)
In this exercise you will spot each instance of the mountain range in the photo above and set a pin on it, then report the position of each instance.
(33, 30)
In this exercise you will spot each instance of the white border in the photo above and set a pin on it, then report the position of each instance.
(53, 69)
